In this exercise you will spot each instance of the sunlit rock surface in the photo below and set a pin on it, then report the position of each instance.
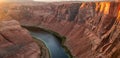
(15, 41)
(92, 29)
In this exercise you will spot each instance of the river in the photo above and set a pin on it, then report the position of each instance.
(55, 48)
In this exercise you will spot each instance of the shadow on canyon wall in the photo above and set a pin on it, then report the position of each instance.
(91, 28)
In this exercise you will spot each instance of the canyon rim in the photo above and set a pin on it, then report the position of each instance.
(92, 29)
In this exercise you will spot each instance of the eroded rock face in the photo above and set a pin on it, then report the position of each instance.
(15, 42)
(92, 29)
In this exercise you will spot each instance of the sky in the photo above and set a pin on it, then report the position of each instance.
(52, 0)
(70, 0)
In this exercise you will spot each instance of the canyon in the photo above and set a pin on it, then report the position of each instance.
(15, 41)
(91, 29)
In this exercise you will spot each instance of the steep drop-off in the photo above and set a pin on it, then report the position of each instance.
(15, 41)
(92, 29)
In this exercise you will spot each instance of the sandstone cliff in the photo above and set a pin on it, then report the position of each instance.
(92, 29)
(15, 42)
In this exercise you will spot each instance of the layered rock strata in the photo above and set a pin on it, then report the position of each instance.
(91, 28)
(15, 41)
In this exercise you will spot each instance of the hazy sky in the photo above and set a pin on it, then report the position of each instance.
(53, 0)
(70, 0)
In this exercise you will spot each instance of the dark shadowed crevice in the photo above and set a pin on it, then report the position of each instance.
(6, 38)
(73, 11)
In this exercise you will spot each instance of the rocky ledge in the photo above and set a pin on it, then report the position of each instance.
(15, 41)
(92, 29)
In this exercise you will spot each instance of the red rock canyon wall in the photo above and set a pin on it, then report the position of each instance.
(15, 42)
(92, 29)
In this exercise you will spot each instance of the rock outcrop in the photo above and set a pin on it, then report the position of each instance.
(92, 29)
(15, 41)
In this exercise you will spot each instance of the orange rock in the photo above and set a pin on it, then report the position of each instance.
(91, 28)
